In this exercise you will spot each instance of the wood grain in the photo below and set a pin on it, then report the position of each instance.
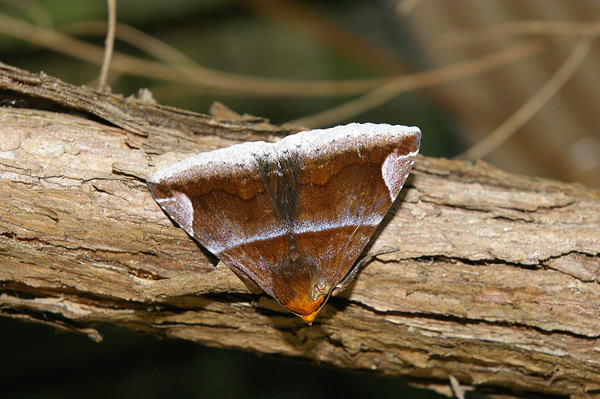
(495, 282)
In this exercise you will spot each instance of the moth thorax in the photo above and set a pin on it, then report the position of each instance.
(294, 254)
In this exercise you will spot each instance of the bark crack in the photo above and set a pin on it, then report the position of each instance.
(495, 283)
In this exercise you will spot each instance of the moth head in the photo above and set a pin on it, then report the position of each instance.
(308, 306)
(303, 292)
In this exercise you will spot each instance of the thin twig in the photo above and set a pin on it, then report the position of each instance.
(32, 10)
(109, 44)
(534, 27)
(533, 105)
(406, 6)
(421, 80)
(135, 38)
(458, 391)
(191, 75)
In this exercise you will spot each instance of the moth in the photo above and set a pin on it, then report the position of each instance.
(292, 217)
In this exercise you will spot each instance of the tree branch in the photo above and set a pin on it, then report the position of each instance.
(495, 284)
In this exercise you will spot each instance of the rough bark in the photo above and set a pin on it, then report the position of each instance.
(495, 284)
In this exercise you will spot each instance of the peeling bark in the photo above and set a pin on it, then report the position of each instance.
(495, 284)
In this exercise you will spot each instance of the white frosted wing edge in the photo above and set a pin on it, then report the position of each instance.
(307, 144)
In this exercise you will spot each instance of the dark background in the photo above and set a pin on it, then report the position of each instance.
(38, 362)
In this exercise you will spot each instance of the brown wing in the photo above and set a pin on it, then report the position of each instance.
(294, 216)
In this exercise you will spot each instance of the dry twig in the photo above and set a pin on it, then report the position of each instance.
(496, 283)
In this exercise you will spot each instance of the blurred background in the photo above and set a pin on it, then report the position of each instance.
(512, 82)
